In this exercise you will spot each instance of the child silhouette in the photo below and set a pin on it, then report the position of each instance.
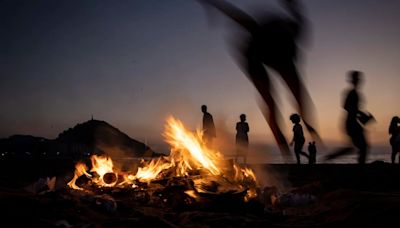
(298, 136)
(312, 153)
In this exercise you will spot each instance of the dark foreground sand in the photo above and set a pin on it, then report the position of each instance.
(363, 196)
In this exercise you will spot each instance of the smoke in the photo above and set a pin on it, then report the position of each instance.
(259, 155)
(268, 176)
(225, 140)
(119, 147)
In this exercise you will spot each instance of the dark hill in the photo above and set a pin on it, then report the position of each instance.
(101, 137)
(86, 138)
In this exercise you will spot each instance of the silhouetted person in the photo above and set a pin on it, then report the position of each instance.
(298, 136)
(356, 118)
(242, 139)
(208, 126)
(394, 131)
(272, 42)
(397, 142)
(312, 153)
(355, 121)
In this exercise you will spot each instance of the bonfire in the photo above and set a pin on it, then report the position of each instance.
(192, 169)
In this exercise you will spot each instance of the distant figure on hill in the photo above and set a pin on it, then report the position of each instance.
(242, 139)
(355, 121)
(272, 41)
(298, 136)
(394, 131)
(312, 153)
(209, 132)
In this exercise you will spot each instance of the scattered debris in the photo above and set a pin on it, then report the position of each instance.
(42, 186)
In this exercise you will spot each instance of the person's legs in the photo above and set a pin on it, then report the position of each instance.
(399, 157)
(362, 155)
(297, 151)
(339, 153)
(361, 143)
(260, 78)
(297, 157)
(291, 77)
(394, 152)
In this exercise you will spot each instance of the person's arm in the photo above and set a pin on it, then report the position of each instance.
(239, 16)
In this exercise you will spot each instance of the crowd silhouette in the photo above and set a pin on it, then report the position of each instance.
(272, 42)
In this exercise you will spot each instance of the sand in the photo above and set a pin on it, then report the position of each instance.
(346, 194)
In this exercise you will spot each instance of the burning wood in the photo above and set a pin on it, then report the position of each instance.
(110, 179)
(192, 170)
(80, 169)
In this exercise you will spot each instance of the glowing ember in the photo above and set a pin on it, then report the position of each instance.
(192, 194)
(152, 170)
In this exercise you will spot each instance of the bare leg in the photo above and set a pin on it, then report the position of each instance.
(338, 153)
(399, 159)
(291, 77)
(394, 152)
(361, 143)
(259, 76)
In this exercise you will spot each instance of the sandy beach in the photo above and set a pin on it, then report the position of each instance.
(346, 194)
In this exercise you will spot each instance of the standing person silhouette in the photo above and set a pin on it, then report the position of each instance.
(312, 153)
(355, 118)
(209, 132)
(298, 136)
(394, 131)
(272, 42)
(242, 139)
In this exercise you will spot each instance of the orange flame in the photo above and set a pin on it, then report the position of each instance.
(192, 194)
(102, 165)
(80, 169)
(190, 148)
(188, 153)
(152, 170)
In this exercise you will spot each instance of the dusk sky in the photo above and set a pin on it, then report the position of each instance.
(133, 63)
